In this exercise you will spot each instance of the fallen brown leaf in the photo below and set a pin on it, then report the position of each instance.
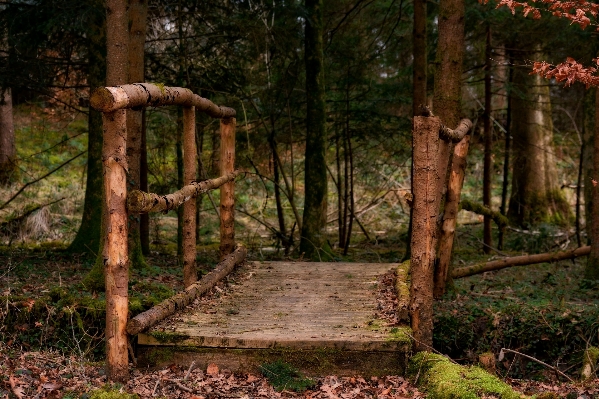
(212, 370)
(16, 389)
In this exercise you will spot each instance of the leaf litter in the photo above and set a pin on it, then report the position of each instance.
(47, 374)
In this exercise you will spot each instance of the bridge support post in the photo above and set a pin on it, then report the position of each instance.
(190, 274)
(115, 247)
(227, 191)
(424, 228)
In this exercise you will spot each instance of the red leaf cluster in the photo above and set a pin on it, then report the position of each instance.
(569, 72)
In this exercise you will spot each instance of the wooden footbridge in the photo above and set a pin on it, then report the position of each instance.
(319, 316)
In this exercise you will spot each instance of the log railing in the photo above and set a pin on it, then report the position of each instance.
(118, 203)
(431, 144)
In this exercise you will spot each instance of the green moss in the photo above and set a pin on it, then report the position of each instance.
(158, 356)
(111, 392)
(442, 379)
(283, 376)
(400, 334)
(167, 337)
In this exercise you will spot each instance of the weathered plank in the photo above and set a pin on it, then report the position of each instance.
(296, 305)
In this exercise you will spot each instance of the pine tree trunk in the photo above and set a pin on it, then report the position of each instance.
(488, 133)
(536, 196)
(448, 76)
(138, 10)
(591, 271)
(507, 150)
(115, 251)
(315, 203)
(419, 78)
(8, 152)
(588, 136)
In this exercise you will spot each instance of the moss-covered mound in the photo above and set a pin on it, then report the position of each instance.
(442, 379)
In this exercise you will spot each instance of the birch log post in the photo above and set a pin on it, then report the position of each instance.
(114, 212)
(177, 302)
(454, 191)
(190, 274)
(424, 228)
(227, 191)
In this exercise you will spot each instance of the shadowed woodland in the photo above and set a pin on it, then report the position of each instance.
(453, 139)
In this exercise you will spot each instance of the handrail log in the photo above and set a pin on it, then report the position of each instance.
(457, 134)
(142, 202)
(137, 95)
(177, 302)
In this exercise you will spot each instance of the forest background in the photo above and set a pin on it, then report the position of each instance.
(250, 56)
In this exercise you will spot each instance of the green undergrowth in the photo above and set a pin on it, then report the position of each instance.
(45, 305)
(283, 376)
(540, 310)
(442, 379)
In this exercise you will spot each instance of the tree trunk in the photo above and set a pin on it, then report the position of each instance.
(315, 203)
(88, 236)
(114, 159)
(591, 270)
(454, 191)
(448, 77)
(507, 149)
(227, 191)
(536, 196)
(424, 235)
(419, 77)
(488, 133)
(588, 136)
(138, 10)
(8, 151)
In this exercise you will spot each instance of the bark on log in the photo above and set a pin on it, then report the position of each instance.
(107, 99)
(520, 261)
(448, 137)
(227, 191)
(142, 202)
(424, 233)
(177, 302)
(454, 190)
(190, 274)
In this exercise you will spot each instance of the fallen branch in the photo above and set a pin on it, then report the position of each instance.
(520, 261)
(500, 220)
(177, 302)
(4, 226)
(142, 202)
(15, 195)
(538, 361)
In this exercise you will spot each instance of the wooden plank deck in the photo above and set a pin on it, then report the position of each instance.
(287, 305)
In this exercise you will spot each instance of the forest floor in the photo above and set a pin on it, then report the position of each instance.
(52, 327)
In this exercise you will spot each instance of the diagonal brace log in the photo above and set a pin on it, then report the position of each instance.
(142, 202)
(177, 302)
